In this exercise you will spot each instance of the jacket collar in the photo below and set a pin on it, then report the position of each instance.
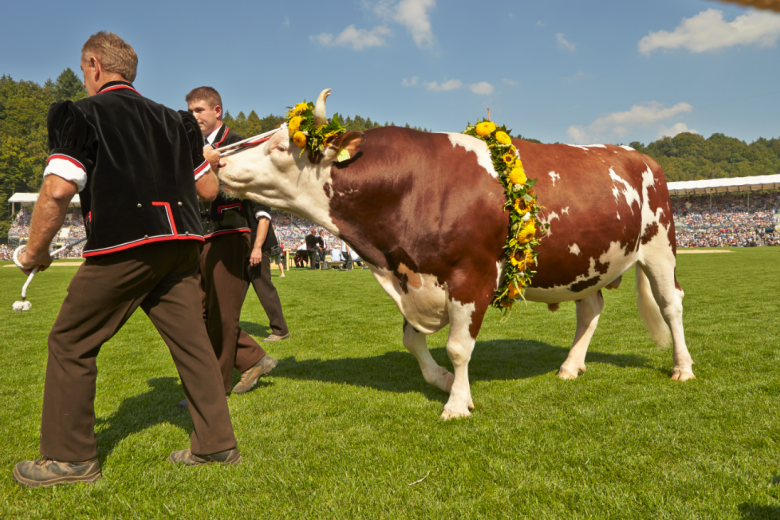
(221, 135)
(117, 85)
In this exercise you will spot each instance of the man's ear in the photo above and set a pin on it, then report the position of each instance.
(344, 147)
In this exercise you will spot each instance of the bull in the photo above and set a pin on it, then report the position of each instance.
(426, 212)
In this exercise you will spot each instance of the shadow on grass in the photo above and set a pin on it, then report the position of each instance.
(399, 372)
(254, 329)
(137, 413)
(756, 512)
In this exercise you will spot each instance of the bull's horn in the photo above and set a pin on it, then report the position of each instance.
(320, 116)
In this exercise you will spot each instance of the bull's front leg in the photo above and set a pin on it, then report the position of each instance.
(588, 312)
(434, 374)
(460, 345)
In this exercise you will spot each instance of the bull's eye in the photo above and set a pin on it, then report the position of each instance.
(281, 148)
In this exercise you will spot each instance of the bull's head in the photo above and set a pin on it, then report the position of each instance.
(281, 175)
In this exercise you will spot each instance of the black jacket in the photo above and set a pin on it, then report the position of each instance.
(225, 214)
(140, 160)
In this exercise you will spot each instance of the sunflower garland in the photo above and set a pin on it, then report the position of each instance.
(300, 123)
(524, 231)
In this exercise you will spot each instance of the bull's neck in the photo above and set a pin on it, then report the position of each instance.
(308, 196)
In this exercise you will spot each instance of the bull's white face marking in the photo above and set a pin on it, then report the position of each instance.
(479, 147)
(276, 174)
(424, 305)
(574, 249)
(621, 186)
(554, 176)
(627, 148)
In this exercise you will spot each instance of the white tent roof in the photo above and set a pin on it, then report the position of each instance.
(757, 183)
(31, 198)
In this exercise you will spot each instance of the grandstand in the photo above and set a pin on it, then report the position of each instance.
(734, 212)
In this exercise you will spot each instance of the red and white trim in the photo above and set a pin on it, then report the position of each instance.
(235, 205)
(119, 87)
(224, 135)
(68, 168)
(147, 240)
(202, 170)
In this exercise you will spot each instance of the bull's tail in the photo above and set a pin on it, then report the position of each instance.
(650, 311)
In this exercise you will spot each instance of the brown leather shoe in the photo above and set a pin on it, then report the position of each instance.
(249, 377)
(274, 337)
(188, 458)
(47, 472)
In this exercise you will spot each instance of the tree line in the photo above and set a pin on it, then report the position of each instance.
(23, 141)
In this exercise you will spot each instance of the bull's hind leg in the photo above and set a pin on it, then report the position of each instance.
(588, 312)
(460, 345)
(668, 296)
(434, 374)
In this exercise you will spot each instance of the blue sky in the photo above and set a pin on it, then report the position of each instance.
(559, 70)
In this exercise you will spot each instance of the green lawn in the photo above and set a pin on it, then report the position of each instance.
(346, 422)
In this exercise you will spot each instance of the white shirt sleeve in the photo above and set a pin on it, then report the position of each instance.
(68, 168)
(262, 214)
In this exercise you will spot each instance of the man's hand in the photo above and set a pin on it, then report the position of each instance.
(30, 261)
(212, 156)
(256, 256)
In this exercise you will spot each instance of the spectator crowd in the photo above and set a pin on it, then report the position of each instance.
(732, 219)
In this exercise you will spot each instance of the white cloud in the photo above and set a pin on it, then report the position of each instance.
(677, 128)
(618, 124)
(409, 82)
(509, 82)
(579, 75)
(483, 88)
(413, 14)
(359, 39)
(708, 31)
(563, 43)
(541, 24)
(447, 85)
(286, 23)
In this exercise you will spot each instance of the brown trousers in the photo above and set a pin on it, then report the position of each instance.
(260, 277)
(223, 289)
(104, 293)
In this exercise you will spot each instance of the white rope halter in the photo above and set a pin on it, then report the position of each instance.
(24, 305)
(246, 143)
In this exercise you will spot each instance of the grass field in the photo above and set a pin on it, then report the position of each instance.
(345, 422)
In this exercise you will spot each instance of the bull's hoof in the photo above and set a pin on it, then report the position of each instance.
(452, 413)
(681, 374)
(568, 374)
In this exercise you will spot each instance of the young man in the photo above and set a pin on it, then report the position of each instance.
(226, 228)
(139, 168)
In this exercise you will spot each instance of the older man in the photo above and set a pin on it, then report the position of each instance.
(139, 167)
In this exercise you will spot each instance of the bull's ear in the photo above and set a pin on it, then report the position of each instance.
(344, 147)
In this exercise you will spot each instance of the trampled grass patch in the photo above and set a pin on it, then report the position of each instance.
(346, 422)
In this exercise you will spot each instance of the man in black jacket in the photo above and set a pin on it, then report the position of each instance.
(139, 167)
(223, 259)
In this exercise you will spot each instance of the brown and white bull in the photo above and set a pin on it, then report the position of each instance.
(425, 211)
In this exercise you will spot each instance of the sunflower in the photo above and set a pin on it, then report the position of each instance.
(485, 128)
(517, 175)
(521, 206)
(514, 291)
(527, 233)
(509, 158)
(503, 138)
(295, 123)
(300, 139)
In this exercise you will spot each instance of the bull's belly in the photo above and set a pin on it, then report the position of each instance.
(583, 284)
(420, 298)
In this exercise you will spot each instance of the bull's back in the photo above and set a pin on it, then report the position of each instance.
(597, 201)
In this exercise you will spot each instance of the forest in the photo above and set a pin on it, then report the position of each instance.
(23, 143)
